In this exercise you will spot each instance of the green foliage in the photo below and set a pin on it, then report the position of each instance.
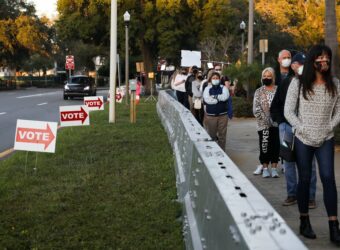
(106, 187)
(242, 107)
(247, 75)
(22, 33)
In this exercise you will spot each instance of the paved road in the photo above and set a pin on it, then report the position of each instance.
(242, 148)
(30, 104)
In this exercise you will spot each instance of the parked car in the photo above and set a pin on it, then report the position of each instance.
(80, 86)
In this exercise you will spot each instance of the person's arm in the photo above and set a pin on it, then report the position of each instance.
(257, 108)
(275, 107)
(336, 111)
(230, 108)
(209, 99)
(291, 103)
(224, 96)
(179, 80)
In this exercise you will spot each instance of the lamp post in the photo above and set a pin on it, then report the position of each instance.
(126, 21)
(242, 27)
(251, 32)
(113, 61)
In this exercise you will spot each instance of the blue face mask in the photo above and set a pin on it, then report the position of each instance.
(215, 82)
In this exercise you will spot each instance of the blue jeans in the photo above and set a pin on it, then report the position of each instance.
(325, 156)
(290, 168)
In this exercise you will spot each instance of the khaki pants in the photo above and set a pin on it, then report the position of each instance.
(216, 127)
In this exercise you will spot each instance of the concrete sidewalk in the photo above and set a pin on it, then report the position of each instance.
(243, 149)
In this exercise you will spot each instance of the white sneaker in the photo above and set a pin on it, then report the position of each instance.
(274, 173)
(258, 170)
(265, 173)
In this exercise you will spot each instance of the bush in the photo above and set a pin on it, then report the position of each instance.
(247, 75)
(242, 107)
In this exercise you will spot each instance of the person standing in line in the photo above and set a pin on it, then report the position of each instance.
(283, 71)
(285, 130)
(317, 93)
(267, 130)
(197, 97)
(179, 86)
(188, 86)
(215, 96)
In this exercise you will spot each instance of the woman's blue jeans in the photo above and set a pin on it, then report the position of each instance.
(290, 167)
(325, 156)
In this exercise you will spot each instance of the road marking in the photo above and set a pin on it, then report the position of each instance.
(41, 104)
(37, 95)
(3, 113)
(7, 152)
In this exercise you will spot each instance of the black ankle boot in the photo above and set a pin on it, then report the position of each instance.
(334, 232)
(306, 228)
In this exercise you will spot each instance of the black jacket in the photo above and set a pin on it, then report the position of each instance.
(188, 84)
(278, 103)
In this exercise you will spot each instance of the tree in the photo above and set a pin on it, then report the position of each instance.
(331, 36)
(22, 33)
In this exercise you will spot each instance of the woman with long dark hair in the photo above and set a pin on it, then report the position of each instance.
(312, 108)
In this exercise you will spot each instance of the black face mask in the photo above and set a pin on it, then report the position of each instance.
(200, 78)
(267, 81)
(322, 68)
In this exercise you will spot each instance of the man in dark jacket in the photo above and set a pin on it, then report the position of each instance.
(283, 70)
(285, 129)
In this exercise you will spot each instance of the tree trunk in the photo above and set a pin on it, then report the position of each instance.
(147, 59)
(331, 33)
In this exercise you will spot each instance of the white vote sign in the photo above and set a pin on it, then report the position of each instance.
(94, 102)
(37, 136)
(76, 115)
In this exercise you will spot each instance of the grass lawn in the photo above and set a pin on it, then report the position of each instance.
(108, 186)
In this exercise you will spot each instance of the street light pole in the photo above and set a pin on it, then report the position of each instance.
(113, 61)
(251, 32)
(242, 27)
(127, 20)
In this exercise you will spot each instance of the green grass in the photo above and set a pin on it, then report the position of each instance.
(108, 186)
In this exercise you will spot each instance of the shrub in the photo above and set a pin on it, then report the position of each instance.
(242, 107)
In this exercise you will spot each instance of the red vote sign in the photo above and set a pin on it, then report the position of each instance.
(35, 136)
(94, 102)
(74, 116)
(69, 64)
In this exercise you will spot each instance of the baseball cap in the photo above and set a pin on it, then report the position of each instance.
(299, 57)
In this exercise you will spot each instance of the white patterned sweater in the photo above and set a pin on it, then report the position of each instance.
(261, 107)
(317, 116)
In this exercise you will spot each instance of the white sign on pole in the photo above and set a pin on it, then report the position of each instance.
(76, 115)
(37, 136)
(190, 58)
(94, 102)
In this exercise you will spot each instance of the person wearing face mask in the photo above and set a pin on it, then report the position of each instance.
(283, 70)
(179, 87)
(285, 130)
(267, 129)
(197, 97)
(215, 97)
(318, 95)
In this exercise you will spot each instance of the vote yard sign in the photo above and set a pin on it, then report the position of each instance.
(94, 102)
(76, 115)
(37, 136)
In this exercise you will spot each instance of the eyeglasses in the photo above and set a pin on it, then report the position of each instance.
(322, 61)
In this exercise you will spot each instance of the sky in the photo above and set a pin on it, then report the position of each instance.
(45, 7)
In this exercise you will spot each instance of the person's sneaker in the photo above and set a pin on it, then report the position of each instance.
(291, 200)
(258, 170)
(283, 169)
(275, 173)
(311, 204)
(265, 173)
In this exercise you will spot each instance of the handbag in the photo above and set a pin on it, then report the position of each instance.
(197, 104)
(287, 151)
